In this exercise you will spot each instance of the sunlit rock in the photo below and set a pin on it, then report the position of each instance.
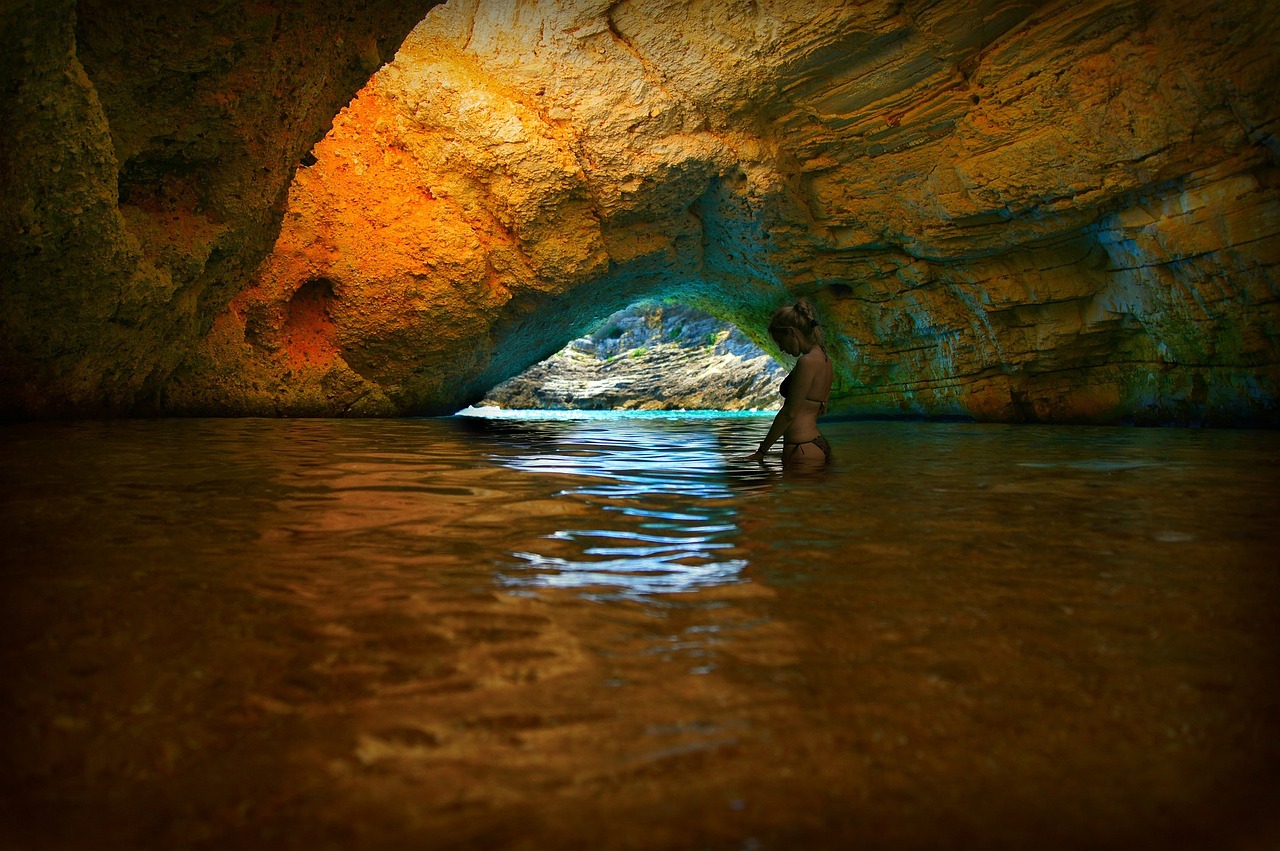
(650, 358)
(1004, 210)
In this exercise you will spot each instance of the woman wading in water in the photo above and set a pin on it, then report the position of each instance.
(805, 390)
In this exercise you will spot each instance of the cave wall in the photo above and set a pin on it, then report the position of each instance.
(1008, 211)
(145, 153)
(1062, 212)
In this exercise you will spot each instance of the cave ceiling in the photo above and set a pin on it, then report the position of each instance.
(1009, 211)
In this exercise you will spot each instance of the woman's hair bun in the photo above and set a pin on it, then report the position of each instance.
(801, 316)
(804, 308)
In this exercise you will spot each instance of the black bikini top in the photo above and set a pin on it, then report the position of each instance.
(783, 389)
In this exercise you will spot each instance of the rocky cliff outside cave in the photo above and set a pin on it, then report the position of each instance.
(1004, 210)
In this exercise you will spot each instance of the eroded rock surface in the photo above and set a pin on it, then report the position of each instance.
(1066, 213)
(1005, 210)
(145, 151)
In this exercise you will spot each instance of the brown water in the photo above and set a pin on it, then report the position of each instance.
(607, 634)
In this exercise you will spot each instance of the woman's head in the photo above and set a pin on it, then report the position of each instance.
(795, 328)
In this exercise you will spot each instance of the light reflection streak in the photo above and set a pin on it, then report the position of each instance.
(667, 521)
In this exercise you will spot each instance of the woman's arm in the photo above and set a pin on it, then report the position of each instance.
(801, 380)
(781, 421)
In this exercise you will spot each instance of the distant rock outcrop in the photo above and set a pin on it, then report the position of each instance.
(650, 357)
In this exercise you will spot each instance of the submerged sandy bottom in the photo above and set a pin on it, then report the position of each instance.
(605, 633)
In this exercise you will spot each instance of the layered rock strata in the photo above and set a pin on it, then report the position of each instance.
(1004, 210)
(146, 149)
(1008, 211)
(649, 357)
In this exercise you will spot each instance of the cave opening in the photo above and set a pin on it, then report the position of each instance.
(649, 356)
(320, 610)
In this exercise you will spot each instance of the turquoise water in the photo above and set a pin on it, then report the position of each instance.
(606, 631)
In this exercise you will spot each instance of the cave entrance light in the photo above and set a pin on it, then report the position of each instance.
(648, 357)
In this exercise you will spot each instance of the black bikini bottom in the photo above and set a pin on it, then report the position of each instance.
(819, 441)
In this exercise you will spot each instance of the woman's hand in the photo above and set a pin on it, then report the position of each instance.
(754, 456)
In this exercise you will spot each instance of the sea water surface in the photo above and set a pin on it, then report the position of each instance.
(578, 631)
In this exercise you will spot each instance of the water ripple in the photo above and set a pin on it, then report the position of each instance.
(644, 484)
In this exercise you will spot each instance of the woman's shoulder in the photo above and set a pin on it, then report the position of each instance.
(815, 357)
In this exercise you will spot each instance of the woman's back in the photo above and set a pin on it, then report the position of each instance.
(817, 379)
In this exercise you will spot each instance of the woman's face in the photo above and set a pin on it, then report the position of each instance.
(787, 339)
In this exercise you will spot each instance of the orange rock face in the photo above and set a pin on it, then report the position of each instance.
(1066, 214)
(145, 152)
(1004, 210)
(377, 280)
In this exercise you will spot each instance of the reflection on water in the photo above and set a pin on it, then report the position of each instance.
(606, 632)
(669, 517)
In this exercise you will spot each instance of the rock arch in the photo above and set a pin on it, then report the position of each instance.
(1005, 210)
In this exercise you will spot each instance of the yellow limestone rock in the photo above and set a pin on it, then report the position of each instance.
(1004, 210)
